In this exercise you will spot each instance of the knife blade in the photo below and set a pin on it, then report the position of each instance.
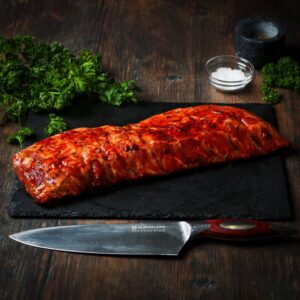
(146, 238)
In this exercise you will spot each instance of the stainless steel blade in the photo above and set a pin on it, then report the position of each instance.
(143, 238)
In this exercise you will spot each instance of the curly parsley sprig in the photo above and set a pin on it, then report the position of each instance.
(36, 76)
(285, 73)
(55, 125)
(19, 136)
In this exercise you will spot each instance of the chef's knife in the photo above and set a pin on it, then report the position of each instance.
(146, 238)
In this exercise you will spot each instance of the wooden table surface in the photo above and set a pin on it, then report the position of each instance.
(163, 46)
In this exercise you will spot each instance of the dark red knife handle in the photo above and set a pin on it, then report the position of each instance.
(241, 229)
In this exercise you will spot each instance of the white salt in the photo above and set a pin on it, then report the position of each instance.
(228, 74)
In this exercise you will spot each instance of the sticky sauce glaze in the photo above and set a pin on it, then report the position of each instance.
(186, 138)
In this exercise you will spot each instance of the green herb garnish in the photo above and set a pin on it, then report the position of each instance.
(36, 76)
(285, 73)
(56, 125)
(19, 136)
(270, 95)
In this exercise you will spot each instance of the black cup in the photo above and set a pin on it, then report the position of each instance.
(259, 40)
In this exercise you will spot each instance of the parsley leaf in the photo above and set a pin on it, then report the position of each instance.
(19, 136)
(56, 125)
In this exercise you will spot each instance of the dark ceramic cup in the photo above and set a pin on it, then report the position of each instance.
(259, 40)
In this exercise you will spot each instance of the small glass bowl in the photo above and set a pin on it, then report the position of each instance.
(233, 62)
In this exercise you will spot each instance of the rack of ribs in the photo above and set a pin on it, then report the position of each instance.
(86, 159)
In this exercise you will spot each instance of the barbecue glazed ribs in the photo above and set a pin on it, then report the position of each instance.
(82, 159)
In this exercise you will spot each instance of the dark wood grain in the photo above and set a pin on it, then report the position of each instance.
(163, 46)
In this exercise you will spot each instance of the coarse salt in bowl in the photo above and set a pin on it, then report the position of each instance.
(229, 73)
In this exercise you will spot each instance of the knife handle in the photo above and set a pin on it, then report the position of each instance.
(240, 229)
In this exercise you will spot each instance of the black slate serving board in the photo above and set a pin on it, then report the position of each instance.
(256, 188)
